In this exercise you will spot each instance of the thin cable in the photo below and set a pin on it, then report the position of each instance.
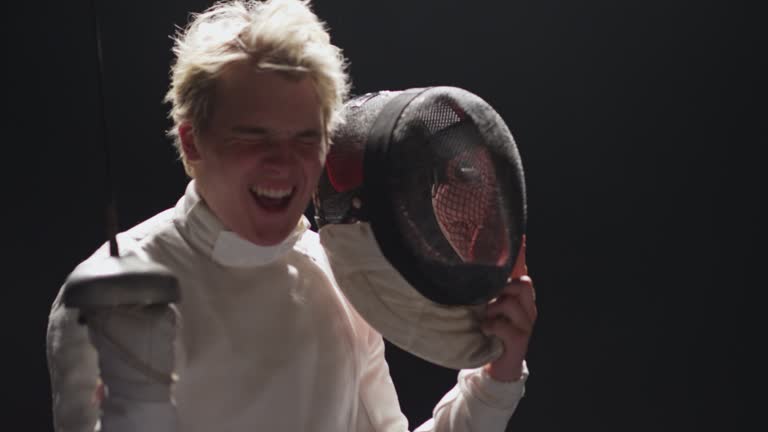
(112, 225)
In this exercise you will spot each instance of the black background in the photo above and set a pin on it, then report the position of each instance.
(640, 127)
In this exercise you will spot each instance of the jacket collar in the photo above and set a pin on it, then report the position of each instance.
(205, 232)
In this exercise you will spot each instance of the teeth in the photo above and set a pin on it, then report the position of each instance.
(270, 192)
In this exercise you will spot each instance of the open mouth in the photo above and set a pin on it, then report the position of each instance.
(272, 199)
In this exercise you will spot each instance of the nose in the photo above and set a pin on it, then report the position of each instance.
(278, 157)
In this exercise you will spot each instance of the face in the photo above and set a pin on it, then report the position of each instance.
(258, 160)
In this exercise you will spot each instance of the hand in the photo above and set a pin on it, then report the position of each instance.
(98, 394)
(510, 317)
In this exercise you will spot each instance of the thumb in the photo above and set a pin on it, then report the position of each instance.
(520, 268)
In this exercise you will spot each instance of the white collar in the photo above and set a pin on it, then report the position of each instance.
(234, 251)
(205, 232)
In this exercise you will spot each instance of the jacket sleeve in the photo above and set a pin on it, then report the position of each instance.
(73, 369)
(477, 403)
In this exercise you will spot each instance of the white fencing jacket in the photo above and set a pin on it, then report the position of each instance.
(268, 341)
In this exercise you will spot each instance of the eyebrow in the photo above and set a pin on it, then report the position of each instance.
(255, 130)
(249, 130)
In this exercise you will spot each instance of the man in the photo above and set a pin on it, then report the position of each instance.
(268, 340)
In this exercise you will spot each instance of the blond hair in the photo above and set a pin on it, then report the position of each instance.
(280, 35)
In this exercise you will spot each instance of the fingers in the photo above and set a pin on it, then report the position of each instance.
(521, 291)
(528, 297)
(508, 332)
(98, 393)
(513, 313)
(510, 311)
(520, 268)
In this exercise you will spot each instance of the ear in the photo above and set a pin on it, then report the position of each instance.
(188, 141)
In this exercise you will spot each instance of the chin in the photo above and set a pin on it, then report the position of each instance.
(271, 236)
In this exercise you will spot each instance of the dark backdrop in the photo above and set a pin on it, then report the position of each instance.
(640, 131)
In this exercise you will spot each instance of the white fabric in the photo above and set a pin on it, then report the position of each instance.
(135, 348)
(262, 347)
(232, 250)
(447, 336)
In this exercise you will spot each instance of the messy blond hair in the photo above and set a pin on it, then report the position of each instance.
(280, 35)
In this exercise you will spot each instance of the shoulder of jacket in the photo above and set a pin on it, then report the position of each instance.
(134, 239)
(310, 246)
(151, 227)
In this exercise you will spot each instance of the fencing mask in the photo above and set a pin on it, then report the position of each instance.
(422, 210)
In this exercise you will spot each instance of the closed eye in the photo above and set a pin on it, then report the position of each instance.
(309, 137)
